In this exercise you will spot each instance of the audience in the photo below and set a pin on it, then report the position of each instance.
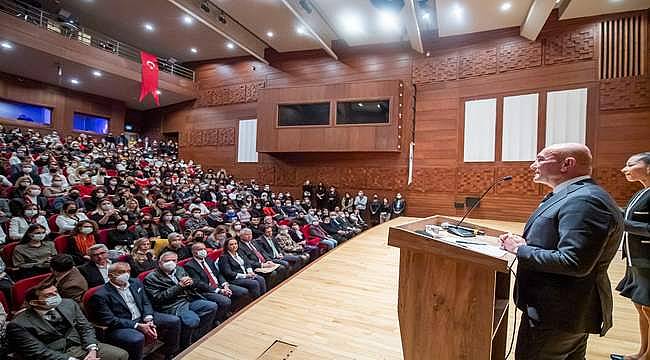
(142, 258)
(69, 281)
(32, 255)
(95, 271)
(239, 271)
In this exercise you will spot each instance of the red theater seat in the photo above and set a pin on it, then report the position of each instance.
(21, 286)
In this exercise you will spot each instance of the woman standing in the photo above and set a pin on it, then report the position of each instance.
(636, 250)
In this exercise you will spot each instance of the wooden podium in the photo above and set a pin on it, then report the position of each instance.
(453, 297)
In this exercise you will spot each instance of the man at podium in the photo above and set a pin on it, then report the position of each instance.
(562, 287)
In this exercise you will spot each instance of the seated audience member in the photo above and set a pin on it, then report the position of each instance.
(196, 221)
(257, 260)
(69, 218)
(398, 207)
(73, 195)
(27, 171)
(33, 197)
(288, 246)
(197, 204)
(28, 216)
(57, 187)
(120, 239)
(32, 255)
(4, 347)
(239, 271)
(95, 271)
(142, 257)
(175, 244)
(168, 224)
(219, 236)
(147, 228)
(86, 186)
(122, 305)
(132, 210)
(357, 221)
(6, 282)
(36, 333)
(215, 218)
(270, 249)
(325, 238)
(105, 215)
(172, 291)
(340, 221)
(243, 215)
(335, 231)
(96, 197)
(81, 239)
(20, 189)
(68, 280)
(209, 281)
(53, 175)
(384, 211)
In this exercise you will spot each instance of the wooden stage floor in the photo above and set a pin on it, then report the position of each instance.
(344, 306)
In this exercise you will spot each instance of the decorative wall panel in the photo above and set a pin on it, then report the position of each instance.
(207, 137)
(473, 180)
(518, 55)
(569, 47)
(439, 68)
(615, 183)
(265, 175)
(521, 183)
(478, 62)
(625, 93)
(285, 176)
(438, 179)
(231, 94)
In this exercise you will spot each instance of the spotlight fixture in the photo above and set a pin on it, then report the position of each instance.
(74, 81)
(457, 12)
(222, 17)
(230, 45)
(205, 7)
(97, 73)
(301, 30)
(188, 20)
(158, 92)
(6, 45)
(360, 104)
(506, 6)
(270, 33)
(426, 15)
(149, 27)
(194, 50)
(428, 54)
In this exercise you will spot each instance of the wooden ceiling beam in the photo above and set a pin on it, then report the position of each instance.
(231, 30)
(314, 24)
(536, 18)
(412, 28)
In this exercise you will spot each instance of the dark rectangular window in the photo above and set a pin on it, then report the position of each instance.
(304, 114)
(91, 123)
(25, 112)
(362, 112)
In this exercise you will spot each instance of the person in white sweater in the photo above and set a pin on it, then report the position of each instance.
(19, 224)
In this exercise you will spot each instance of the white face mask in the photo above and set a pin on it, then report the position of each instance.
(51, 302)
(121, 227)
(86, 230)
(169, 266)
(123, 278)
(30, 212)
(35, 192)
(38, 237)
(202, 254)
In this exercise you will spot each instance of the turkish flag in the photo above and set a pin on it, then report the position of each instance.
(149, 76)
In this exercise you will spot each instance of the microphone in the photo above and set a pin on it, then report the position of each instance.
(468, 232)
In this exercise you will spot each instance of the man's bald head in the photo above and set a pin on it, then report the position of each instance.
(558, 163)
(579, 153)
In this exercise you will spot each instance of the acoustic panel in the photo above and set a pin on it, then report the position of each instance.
(519, 55)
(435, 69)
(478, 62)
(628, 93)
(570, 46)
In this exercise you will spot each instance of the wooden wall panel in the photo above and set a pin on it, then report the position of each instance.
(479, 65)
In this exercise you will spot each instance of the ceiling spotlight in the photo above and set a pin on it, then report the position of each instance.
(74, 81)
(301, 30)
(428, 54)
(148, 27)
(222, 17)
(188, 20)
(506, 6)
(426, 15)
(194, 50)
(6, 45)
(457, 11)
(389, 21)
(360, 104)
(230, 45)
(269, 33)
(97, 73)
(158, 92)
(205, 7)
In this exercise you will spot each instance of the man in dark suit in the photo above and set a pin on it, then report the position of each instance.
(173, 292)
(95, 271)
(122, 306)
(250, 251)
(209, 281)
(562, 287)
(52, 328)
(271, 250)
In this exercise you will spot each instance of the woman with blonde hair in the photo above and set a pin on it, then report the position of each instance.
(142, 257)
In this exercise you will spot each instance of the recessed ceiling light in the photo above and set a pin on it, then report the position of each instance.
(301, 30)
(269, 33)
(506, 6)
(558, 1)
(389, 21)
(97, 73)
(426, 15)
(457, 11)
(360, 104)
(428, 54)
(149, 27)
(194, 50)
(6, 45)
(351, 23)
(74, 81)
(188, 20)
(158, 92)
(230, 45)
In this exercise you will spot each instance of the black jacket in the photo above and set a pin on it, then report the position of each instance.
(263, 246)
(636, 245)
(107, 307)
(230, 267)
(91, 273)
(196, 272)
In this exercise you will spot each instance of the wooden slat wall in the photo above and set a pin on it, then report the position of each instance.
(491, 64)
(64, 103)
(623, 43)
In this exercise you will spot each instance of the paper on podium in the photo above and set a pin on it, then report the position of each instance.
(489, 250)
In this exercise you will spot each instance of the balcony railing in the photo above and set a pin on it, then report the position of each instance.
(73, 31)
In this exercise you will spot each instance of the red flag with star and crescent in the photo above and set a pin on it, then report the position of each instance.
(149, 76)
